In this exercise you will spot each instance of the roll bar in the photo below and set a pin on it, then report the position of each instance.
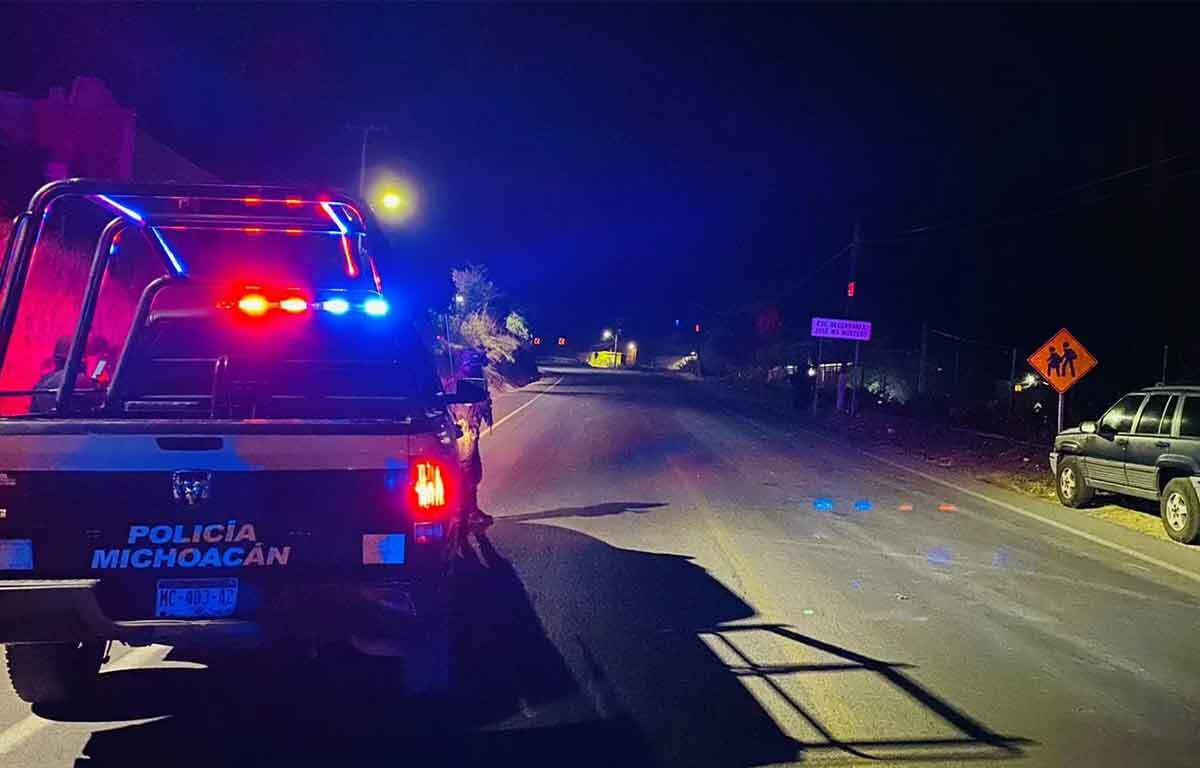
(27, 229)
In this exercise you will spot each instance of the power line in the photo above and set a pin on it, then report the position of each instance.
(997, 221)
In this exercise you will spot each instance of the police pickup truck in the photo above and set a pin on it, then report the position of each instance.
(215, 427)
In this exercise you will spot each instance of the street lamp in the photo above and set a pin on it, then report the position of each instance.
(459, 299)
(395, 199)
(616, 339)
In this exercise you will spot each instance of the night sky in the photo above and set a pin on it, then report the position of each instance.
(650, 163)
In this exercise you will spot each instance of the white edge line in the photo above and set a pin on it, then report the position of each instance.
(525, 405)
(1191, 576)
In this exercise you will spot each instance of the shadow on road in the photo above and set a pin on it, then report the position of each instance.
(596, 510)
(567, 651)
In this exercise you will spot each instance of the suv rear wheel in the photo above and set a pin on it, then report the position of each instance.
(1072, 490)
(53, 673)
(1181, 510)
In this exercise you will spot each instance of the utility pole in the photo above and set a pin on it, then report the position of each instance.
(1163, 380)
(367, 130)
(1012, 383)
(854, 372)
(922, 362)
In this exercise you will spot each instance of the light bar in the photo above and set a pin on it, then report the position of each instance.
(294, 305)
(377, 307)
(336, 306)
(254, 304)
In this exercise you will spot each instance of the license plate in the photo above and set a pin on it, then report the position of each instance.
(196, 598)
(16, 554)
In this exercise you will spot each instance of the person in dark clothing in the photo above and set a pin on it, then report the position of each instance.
(44, 403)
(470, 419)
(797, 380)
(802, 386)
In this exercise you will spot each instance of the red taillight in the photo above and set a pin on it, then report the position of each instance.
(254, 304)
(429, 485)
(293, 304)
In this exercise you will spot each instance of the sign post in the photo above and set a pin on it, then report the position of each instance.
(1062, 361)
(833, 328)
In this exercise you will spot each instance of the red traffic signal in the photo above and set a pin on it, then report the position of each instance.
(537, 341)
(697, 327)
(850, 289)
(562, 341)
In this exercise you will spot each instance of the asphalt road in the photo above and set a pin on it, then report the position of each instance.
(677, 579)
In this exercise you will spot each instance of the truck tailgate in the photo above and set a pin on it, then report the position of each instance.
(232, 519)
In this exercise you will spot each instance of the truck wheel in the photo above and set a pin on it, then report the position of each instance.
(1181, 510)
(53, 673)
(427, 660)
(1072, 490)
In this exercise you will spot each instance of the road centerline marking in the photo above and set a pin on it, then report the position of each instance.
(524, 405)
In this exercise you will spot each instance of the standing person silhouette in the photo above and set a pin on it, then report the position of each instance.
(1068, 359)
(1054, 363)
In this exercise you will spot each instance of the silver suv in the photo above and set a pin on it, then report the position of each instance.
(1146, 445)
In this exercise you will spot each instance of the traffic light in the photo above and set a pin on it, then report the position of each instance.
(562, 341)
(537, 341)
(850, 289)
(697, 327)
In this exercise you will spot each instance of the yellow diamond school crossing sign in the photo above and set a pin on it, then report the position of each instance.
(1062, 361)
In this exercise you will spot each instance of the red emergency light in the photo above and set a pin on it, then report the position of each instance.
(254, 304)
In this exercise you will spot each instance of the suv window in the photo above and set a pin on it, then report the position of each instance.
(1120, 417)
(1168, 417)
(1151, 415)
(1189, 417)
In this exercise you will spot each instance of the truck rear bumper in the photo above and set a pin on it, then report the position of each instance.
(41, 610)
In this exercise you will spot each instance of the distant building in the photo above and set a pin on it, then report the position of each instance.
(82, 131)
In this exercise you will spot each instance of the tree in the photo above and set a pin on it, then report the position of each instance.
(517, 325)
(480, 329)
(476, 288)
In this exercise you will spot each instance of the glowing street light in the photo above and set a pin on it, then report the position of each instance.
(631, 346)
(606, 335)
(459, 299)
(394, 199)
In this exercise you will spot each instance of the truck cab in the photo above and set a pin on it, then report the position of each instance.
(216, 427)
